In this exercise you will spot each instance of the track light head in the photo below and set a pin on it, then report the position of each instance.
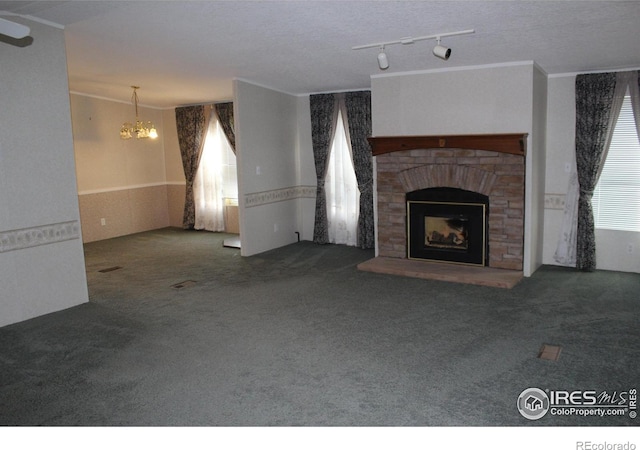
(441, 51)
(383, 63)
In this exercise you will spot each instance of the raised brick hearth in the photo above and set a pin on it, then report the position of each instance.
(498, 175)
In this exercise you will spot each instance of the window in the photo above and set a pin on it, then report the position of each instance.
(216, 182)
(343, 196)
(616, 199)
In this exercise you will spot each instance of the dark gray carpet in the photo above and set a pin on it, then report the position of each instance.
(299, 336)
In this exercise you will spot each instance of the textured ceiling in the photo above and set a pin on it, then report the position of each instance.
(185, 52)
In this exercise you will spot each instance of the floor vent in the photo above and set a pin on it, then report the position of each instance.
(110, 269)
(549, 352)
(233, 242)
(183, 284)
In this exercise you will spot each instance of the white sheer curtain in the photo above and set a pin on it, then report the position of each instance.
(343, 196)
(209, 182)
(567, 242)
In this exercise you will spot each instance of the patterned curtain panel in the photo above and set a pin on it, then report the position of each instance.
(324, 116)
(594, 101)
(225, 115)
(359, 118)
(191, 122)
(567, 243)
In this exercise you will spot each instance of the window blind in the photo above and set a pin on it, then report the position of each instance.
(616, 199)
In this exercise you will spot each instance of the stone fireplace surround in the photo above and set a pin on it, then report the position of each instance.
(453, 161)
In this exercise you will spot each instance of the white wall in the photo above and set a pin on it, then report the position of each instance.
(104, 162)
(481, 100)
(121, 184)
(172, 158)
(176, 185)
(535, 172)
(267, 141)
(41, 255)
(472, 101)
(611, 246)
(560, 157)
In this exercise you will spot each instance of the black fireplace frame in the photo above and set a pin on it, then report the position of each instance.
(448, 203)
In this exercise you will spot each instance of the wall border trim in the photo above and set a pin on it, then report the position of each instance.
(40, 235)
(279, 195)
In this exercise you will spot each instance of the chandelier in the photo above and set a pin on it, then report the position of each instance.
(141, 130)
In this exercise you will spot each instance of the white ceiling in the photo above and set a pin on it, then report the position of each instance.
(186, 52)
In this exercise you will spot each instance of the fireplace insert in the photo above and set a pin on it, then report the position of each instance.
(448, 225)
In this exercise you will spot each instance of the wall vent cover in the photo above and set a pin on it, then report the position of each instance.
(110, 269)
(549, 352)
(183, 284)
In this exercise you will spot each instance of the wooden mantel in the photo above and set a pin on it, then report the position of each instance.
(515, 144)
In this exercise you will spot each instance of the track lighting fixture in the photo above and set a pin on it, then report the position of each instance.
(439, 50)
(383, 63)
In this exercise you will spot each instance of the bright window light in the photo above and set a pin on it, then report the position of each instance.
(616, 199)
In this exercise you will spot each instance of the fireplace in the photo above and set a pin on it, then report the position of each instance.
(448, 225)
(490, 167)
